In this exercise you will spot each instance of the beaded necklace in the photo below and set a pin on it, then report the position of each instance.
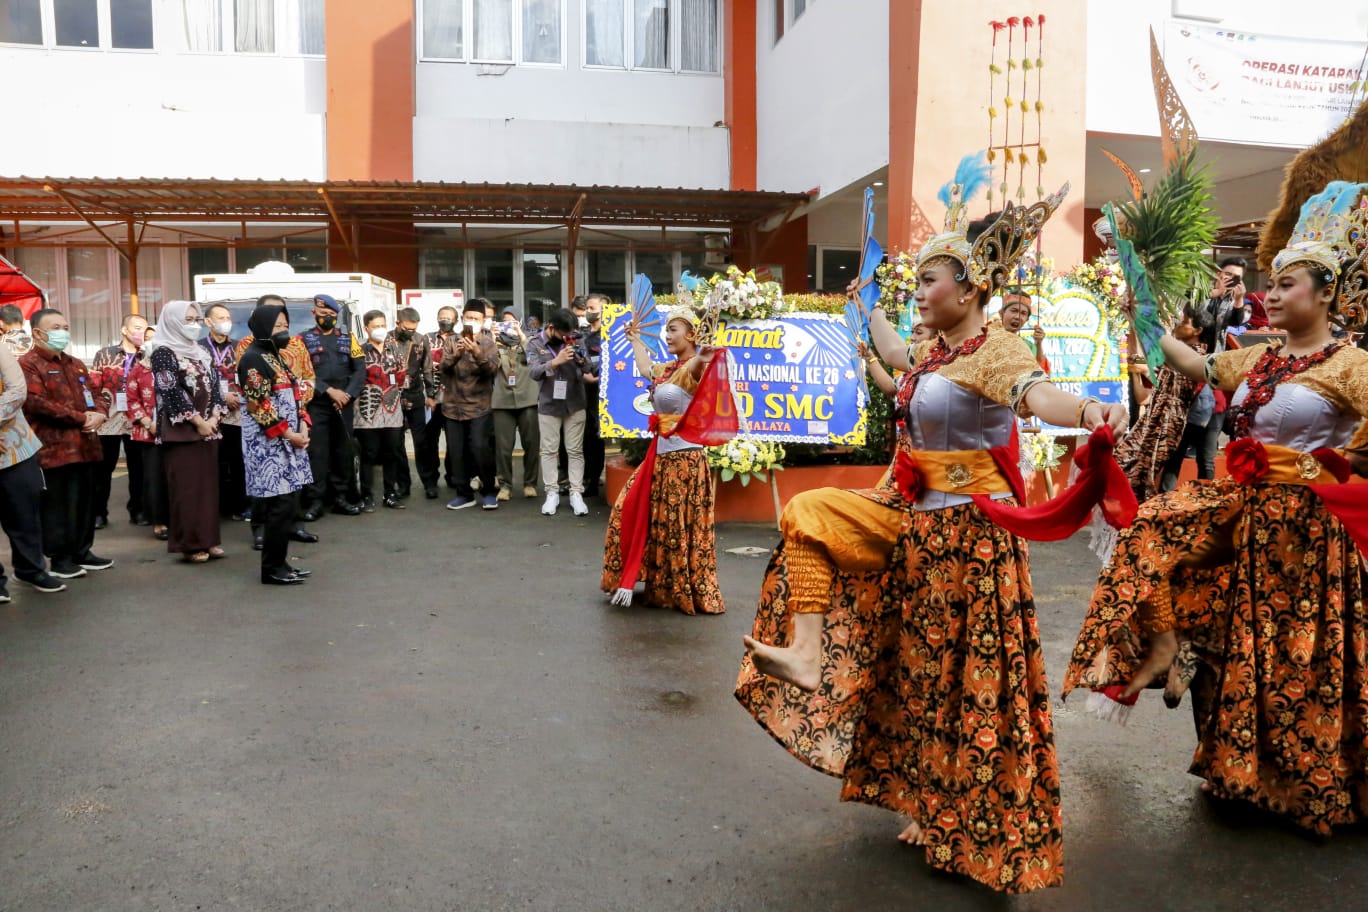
(1262, 382)
(939, 356)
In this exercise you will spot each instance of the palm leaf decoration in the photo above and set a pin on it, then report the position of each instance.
(1172, 228)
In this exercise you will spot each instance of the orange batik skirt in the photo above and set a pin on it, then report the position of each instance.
(679, 567)
(933, 701)
(1277, 625)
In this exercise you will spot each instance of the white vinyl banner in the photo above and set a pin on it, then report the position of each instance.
(1241, 87)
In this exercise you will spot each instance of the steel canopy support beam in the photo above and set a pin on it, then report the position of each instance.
(57, 191)
(347, 239)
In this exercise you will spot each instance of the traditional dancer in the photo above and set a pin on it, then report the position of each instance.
(912, 618)
(661, 528)
(1257, 575)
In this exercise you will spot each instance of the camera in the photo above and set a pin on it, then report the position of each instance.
(576, 342)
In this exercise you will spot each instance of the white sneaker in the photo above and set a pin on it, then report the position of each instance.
(578, 505)
(552, 502)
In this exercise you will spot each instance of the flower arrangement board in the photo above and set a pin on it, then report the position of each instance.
(797, 378)
(1085, 349)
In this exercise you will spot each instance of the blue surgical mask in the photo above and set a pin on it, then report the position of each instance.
(58, 339)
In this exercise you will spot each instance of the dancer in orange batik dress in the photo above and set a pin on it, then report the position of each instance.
(895, 645)
(1254, 582)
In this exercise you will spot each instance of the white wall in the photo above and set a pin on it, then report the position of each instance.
(569, 126)
(1120, 91)
(823, 95)
(79, 113)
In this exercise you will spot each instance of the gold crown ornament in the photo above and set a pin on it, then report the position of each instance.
(1332, 236)
(991, 260)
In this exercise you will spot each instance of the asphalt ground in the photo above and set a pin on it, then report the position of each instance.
(450, 717)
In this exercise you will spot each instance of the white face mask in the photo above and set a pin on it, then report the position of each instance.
(583, 321)
(378, 335)
(223, 327)
(474, 325)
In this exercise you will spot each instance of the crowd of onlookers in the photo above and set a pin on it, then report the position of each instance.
(185, 401)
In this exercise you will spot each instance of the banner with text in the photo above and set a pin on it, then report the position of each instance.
(1084, 357)
(796, 379)
(1242, 87)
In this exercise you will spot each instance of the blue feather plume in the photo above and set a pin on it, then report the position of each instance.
(973, 174)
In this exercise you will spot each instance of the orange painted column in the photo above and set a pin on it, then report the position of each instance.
(739, 73)
(370, 89)
(904, 81)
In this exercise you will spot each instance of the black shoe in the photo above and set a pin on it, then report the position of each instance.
(162, 535)
(258, 542)
(140, 520)
(43, 582)
(393, 502)
(430, 493)
(65, 569)
(289, 579)
(101, 522)
(92, 562)
(591, 490)
(403, 493)
(368, 505)
(311, 514)
(301, 572)
(342, 508)
(305, 536)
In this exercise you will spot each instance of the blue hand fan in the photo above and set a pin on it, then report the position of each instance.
(858, 312)
(1148, 329)
(648, 318)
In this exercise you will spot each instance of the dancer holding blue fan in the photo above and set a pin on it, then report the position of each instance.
(661, 528)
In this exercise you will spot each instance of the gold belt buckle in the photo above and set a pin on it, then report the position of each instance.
(958, 475)
(1308, 466)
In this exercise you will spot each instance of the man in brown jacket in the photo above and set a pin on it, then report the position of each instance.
(65, 413)
(469, 363)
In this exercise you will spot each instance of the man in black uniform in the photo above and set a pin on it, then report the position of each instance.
(420, 389)
(339, 374)
(593, 344)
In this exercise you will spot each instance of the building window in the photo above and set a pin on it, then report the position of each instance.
(77, 23)
(799, 7)
(254, 26)
(838, 267)
(309, 25)
(659, 268)
(442, 268)
(541, 31)
(494, 277)
(505, 31)
(541, 283)
(21, 22)
(778, 20)
(200, 24)
(150, 297)
(91, 306)
(130, 24)
(206, 261)
(674, 35)
(607, 272)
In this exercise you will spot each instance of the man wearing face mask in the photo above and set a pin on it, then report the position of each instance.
(558, 366)
(425, 451)
(109, 380)
(469, 363)
(64, 412)
(223, 357)
(420, 388)
(380, 414)
(339, 374)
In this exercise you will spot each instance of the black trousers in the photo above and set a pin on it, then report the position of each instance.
(104, 475)
(383, 447)
(331, 454)
(156, 504)
(415, 425)
(232, 478)
(21, 494)
(275, 516)
(593, 443)
(426, 451)
(1201, 439)
(68, 511)
(472, 441)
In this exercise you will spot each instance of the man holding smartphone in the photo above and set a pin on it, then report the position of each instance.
(470, 361)
(1224, 309)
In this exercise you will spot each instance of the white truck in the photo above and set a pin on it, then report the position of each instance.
(356, 293)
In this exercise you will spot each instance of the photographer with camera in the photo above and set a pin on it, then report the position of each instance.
(515, 410)
(469, 364)
(560, 364)
(1224, 309)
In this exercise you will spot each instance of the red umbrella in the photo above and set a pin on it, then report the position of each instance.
(18, 289)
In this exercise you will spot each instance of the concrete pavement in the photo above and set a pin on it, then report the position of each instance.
(450, 717)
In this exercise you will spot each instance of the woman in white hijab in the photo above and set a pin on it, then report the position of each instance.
(189, 407)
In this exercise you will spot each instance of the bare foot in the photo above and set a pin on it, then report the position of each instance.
(913, 835)
(801, 667)
(1163, 648)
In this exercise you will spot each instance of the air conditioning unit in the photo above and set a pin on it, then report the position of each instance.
(716, 250)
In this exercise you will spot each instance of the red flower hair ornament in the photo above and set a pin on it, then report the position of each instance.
(1247, 461)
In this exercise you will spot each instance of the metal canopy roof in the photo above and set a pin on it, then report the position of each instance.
(30, 199)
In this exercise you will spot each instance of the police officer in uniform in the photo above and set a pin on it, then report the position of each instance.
(340, 373)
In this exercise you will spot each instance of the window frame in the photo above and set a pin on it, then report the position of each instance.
(675, 53)
(163, 31)
(468, 39)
